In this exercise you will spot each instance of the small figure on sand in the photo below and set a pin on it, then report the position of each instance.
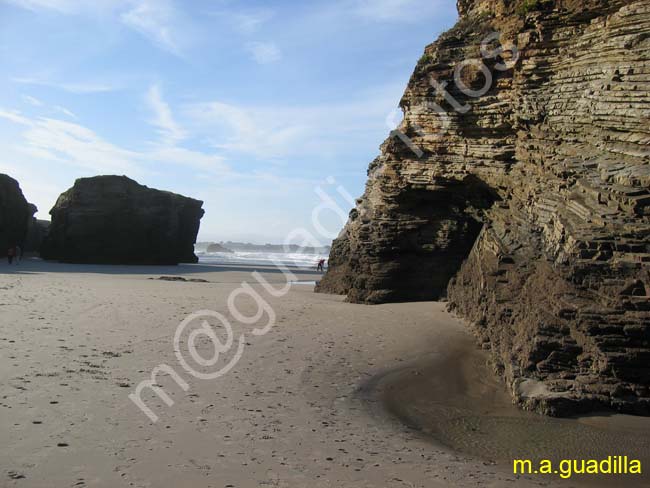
(11, 254)
(19, 254)
(321, 265)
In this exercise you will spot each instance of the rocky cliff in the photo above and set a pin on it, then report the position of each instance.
(114, 220)
(15, 214)
(36, 232)
(517, 186)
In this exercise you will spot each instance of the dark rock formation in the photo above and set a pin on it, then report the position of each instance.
(215, 247)
(180, 279)
(114, 220)
(530, 209)
(15, 214)
(36, 232)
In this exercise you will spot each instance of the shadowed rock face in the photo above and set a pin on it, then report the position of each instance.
(15, 214)
(530, 210)
(114, 220)
(36, 233)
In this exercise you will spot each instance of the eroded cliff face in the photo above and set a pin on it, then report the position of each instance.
(528, 206)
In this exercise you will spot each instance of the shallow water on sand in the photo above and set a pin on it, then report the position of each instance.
(454, 398)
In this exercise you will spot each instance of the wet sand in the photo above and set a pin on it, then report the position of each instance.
(451, 397)
(302, 407)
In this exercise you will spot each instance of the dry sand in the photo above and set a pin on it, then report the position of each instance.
(304, 406)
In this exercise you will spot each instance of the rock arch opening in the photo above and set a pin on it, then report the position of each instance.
(439, 225)
(427, 232)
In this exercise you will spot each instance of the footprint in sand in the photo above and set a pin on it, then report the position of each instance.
(15, 475)
(206, 410)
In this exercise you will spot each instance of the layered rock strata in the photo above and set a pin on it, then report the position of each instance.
(114, 220)
(527, 204)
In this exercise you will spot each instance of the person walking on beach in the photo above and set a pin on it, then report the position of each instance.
(11, 254)
(321, 265)
(19, 254)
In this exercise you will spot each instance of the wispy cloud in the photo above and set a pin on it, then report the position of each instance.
(264, 52)
(154, 19)
(75, 145)
(277, 132)
(71, 7)
(14, 116)
(244, 130)
(251, 22)
(62, 6)
(35, 102)
(74, 87)
(171, 133)
(65, 111)
(245, 22)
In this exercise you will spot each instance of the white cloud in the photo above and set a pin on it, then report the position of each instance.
(264, 52)
(14, 116)
(65, 111)
(78, 146)
(83, 88)
(70, 7)
(78, 88)
(154, 20)
(170, 132)
(244, 130)
(35, 102)
(248, 23)
(276, 132)
(32, 101)
(245, 22)
(63, 6)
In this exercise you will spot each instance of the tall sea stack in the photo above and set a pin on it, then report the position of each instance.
(16, 214)
(114, 220)
(526, 204)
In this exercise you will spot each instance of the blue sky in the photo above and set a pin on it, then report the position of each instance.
(248, 105)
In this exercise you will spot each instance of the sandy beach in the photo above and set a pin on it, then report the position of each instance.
(325, 244)
(315, 402)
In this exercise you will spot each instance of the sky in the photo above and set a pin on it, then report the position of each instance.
(269, 112)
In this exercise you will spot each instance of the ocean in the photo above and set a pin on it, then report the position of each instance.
(301, 260)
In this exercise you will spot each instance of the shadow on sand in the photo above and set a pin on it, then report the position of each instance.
(453, 398)
(38, 266)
